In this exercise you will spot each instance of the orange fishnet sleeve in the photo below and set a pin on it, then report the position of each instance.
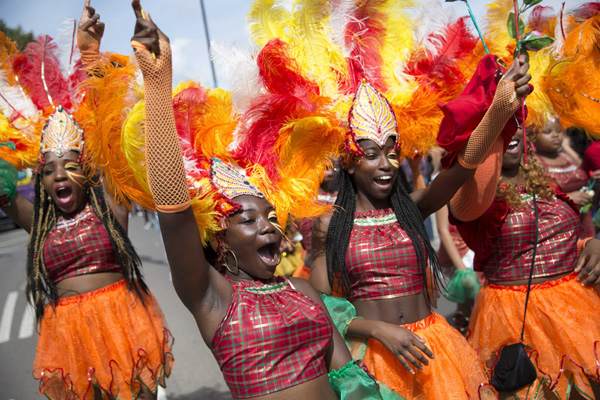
(483, 152)
(166, 173)
(89, 47)
(504, 105)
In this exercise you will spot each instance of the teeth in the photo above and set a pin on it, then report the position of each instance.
(513, 143)
(385, 178)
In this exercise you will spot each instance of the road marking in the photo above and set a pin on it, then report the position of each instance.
(27, 323)
(161, 394)
(7, 316)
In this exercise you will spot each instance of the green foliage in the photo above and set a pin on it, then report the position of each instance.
(17, 34)
(531, 3)
(533, 42)
(510, 25)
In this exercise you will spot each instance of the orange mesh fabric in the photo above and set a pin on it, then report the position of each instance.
(478, 192)
(166, 173)
(106, 338)
(89, 47)
(454, 374)
(504, 105)
(562, 328)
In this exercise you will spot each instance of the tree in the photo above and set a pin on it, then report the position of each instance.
(17, 35)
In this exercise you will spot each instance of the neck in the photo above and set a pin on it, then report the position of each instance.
(365, 203)
(513, 175)
(547, 154)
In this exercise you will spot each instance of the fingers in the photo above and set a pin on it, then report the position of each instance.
(137, 9)
(405, 364)
(86, 4)
(94, 20)
(593, 277)
(581, 261)
(425, 350)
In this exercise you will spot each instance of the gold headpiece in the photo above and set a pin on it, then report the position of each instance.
(61, 134)
(230, 182)
(371, 117)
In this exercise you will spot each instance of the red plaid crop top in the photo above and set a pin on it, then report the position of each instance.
(271, 338)
(78, 246)
(381, 260)
(503, 238)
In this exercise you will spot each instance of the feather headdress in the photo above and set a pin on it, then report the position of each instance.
(573, 84)
(340, 44)
(32, 87)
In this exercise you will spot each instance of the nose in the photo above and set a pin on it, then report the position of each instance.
(266, 226)
(60, 174)
(384, 163)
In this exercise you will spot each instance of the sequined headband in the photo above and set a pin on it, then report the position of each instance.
(230, 182)
(61, 134)
(370, 117)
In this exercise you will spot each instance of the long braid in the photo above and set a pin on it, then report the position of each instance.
(338, 235)
(127, 257)
(39, 289)
(410, 219)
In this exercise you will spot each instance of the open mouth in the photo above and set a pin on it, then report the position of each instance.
(64, 195)
(385, 180)
(269, 254)
(513, 146)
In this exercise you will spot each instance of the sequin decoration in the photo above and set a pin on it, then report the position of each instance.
(231, 182)
(370, 117)
(61, 134)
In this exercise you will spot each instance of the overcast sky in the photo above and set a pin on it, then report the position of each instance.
(181, 20)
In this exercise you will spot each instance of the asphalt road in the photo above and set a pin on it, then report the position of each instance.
(195, 374)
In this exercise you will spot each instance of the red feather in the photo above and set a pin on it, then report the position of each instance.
(542, 19)
(587, 11)
(287, 97)
(28, 68)
(187, 106)
(363, 38)
(441, 71)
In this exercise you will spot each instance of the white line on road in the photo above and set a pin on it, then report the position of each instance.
(27, 323)
(161, 394)
(7, 316)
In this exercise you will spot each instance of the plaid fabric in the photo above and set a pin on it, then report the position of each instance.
(305, 225)
(557, 243)
(568, 176)
(272, 338)
(78, 246)
(381, 260)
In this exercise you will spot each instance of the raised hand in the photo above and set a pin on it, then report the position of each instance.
(89, 34)
(517, 73)
(151, 46)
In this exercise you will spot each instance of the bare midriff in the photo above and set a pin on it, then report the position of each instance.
(534, 281)
(396, 310)
(86, 283)
(318, 388)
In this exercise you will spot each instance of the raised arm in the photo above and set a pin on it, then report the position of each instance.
(89, 35)
(471, 182)
(195, 281)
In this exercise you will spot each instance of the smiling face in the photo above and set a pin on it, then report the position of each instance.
(375, 173)
(63, 181)
(550, 139)
(254, 236)
(511, 160)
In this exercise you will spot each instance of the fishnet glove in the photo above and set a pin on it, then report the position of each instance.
(89, 47)
(166, 173)
(504, 105)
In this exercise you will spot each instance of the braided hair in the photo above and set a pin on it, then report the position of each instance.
(340, 227)
(40, 289)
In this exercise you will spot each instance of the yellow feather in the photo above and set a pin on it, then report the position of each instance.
(397, 42)
(267, 19)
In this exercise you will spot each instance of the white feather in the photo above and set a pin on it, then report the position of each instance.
(67, 47)
(433, 19)
(239, 67)
(15, 98)
(341, 11)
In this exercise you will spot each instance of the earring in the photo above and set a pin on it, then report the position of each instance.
(237, 269)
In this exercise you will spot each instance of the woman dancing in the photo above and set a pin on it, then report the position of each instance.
(101, 331)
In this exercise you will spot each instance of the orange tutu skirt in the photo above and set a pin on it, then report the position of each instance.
(454, 374)
(104, 341)
(562, 327)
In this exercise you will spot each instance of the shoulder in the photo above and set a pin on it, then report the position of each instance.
(304, 287)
